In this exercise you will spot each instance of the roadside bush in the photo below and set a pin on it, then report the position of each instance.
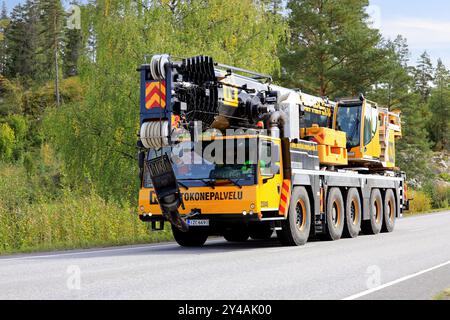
(38, 213)
(445, 176)
(439, 194)
(19, 125)
(74, 221)
(421, 202)
(6, 142)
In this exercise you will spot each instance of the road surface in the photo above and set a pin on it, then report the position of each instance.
(411, 263)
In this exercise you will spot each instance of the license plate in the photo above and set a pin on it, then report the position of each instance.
(198, 223)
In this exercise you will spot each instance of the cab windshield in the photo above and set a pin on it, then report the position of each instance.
(214, 162)
(349, 121)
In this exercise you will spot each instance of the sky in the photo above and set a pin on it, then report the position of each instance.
(426, 24)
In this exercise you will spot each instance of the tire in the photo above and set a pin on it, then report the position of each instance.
(260, 231)
(295, 230)
(374, 224)
(192, 238)
(236, 234)
(335, 215)
(353, 212)
(390, 211)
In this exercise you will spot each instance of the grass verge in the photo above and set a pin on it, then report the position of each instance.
(410, 214)
(445, 295)
(73, 222)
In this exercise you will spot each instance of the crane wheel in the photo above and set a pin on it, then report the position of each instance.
(236, 234)
(374, 224)
(260, 231)
(353, 212)
(295, 230)
(390, 211)
(335, 215)
(191, 238)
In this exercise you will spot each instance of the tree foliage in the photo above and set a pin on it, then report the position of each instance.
(333, 51)
(440, 108)
(97, 137)
(324, 47)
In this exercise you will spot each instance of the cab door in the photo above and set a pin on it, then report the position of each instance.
(270, 174)
(370, 134)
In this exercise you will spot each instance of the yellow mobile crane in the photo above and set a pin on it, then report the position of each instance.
(225, 152)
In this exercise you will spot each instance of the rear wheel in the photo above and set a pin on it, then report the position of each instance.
(260, 231)
(352, 214)
(295, 230)
(236, 234)
(390, 211)
(374, 224)
(192, 238)
(335, 215)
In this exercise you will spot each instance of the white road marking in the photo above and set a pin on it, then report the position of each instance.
(83, 252)
(172, 244)
(389, 284)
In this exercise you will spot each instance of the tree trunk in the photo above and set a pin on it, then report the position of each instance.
(56, 65)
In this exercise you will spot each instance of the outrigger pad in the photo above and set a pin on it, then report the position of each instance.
(167, 191)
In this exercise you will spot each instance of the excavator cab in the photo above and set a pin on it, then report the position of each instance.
(359, 119)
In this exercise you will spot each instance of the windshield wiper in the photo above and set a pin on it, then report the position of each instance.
(208, 183)
(183, 185)
(235, 182)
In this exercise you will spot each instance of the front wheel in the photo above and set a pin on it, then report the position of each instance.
(295, 230)
(192, 238)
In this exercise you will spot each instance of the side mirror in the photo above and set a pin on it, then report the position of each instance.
(275, 169)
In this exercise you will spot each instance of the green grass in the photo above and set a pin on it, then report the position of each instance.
(73, 222)
(445, 295)
(38, 215)
(410, 214)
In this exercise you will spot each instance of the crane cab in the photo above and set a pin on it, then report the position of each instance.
(359, 119)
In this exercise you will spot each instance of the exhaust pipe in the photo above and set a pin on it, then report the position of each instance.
(277, 122)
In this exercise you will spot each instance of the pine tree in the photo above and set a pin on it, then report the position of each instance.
(4, 21)
(52, 20)
(423, 76)
(333, 51)
(22, 41)
(439, 126)
(72, 50)
(395, 90)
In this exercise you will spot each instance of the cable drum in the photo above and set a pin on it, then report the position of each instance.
(155, 134)
(157, 66)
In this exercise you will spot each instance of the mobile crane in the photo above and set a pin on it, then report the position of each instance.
(225, 152)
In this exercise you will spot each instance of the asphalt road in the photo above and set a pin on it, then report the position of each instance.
(411, 263)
